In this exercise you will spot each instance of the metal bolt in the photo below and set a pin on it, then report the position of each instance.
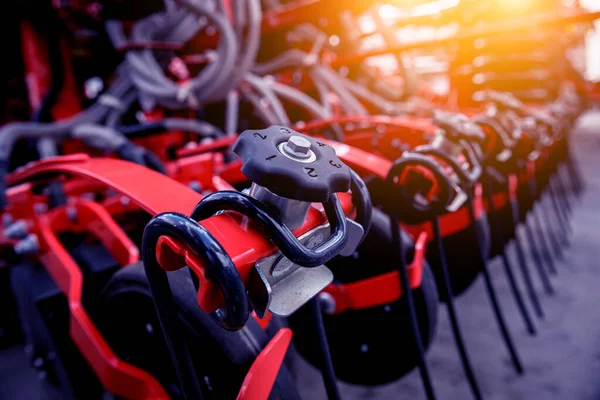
(195, 186)
(327, 303)
(387, 308)
(17, 230)
(298, 148)
(29, 245)
(298, 144)
(364, 348)
(125, 201)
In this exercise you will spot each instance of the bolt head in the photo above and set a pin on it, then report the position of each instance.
(327, 303)
(298, 144)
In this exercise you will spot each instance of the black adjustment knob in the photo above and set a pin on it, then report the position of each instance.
(292, 165)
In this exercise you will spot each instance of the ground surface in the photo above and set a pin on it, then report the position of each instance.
(561, 363)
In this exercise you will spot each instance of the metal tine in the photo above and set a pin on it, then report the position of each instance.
(498, 314)
(535, 301)
(544, 235)
(460, 344)
(561, 216)
(566, 192)
(409, 303)
(327, 370)
(536, 220)
(535, 253)
(573, 171)
(508, 268)
(549, 223)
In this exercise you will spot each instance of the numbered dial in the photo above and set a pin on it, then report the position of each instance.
(292, 165)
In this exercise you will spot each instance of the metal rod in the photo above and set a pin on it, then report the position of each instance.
(491, 291)
(327, 370)
(535, 301)
(537, 259)
(574, 172)
(566, 191)
(535, 219)
(542, 234)
(460, 344)
(561, 215)
(508, 268)
(551, 216)
(409, 302)
(560, 193)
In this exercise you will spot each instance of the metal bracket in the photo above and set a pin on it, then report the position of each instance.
(282, 287)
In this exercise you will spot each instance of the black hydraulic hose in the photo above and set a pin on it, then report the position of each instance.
(508, 268)
(131, 152)
(200, 128)
(492, 291)
(460, 344)
(141, 130)
(408, 301)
